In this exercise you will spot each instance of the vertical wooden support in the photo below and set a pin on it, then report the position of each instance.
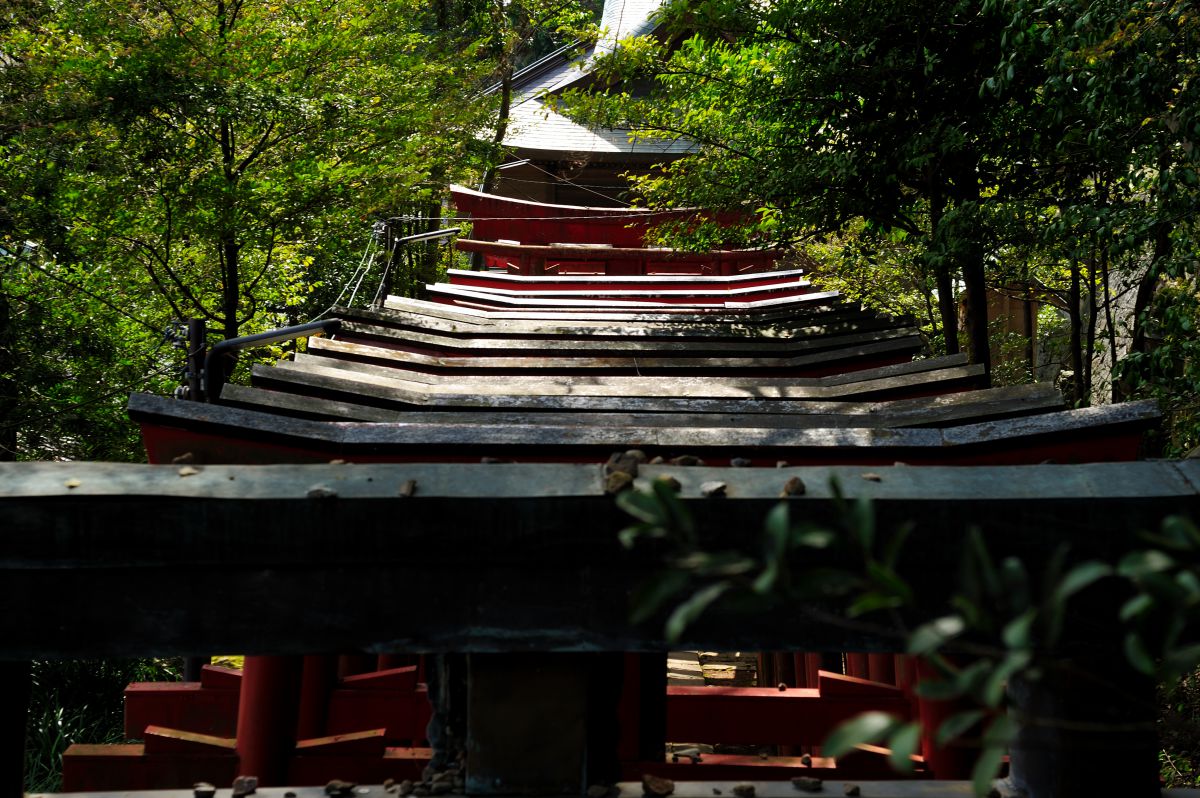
(386, 662)
(944, 762)
(354, 664)
(881, 668)
(785, 670)
(652, 715)
(541, 724)
(812, 669)
(766, 669)
(318, 677)
(197, 350)
(800, 664)
(857, 665)
(266, 728)
(14, 713)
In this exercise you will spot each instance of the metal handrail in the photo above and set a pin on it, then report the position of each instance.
(214, 379)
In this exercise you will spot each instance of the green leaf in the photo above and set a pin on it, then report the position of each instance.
(649, 598)
(933, 635)
(1138, 656)
(642, 506)
(775, 547)
(1017, 632)
(865, 729)
(778, 524)
(810, 537)
(872, 601)
(997, 680)
(862, 523)
(675, 515)
(903, 744)
(889, 582)
(693, 608)
(1015, 579)
(958, 724)
(985, 770)
(1136, 606)
(895, 543)
(1080, 577)
(1137, 564)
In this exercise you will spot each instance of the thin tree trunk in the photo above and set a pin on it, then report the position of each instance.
(1030, 348)
(930, 314)
(489, 177)
(1073, 310)
(231, 291)
(9, 403)
(975, 283)
(1111, 328)
(1091, 325)
(944, 281)
(1149, 282)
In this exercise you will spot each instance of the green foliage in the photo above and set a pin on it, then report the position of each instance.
(1004, 621)
(79, 701)
(1051, 144)
(223, 160)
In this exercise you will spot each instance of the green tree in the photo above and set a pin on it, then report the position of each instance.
(821, 114)
(1047, 144)
(215, 145)
(177, 158)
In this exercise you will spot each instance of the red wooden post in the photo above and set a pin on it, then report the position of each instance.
(949, 762)
(266, 729)
(812, 668)
(385, 662)
(800, 663)
(856, 665)
(354, 664)
(881, 668)
(316, 684)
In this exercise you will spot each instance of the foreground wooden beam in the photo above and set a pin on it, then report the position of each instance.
(166, 560)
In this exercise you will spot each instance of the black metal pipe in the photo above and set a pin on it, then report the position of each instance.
(394, 248)
(214, 378)
(432, 234)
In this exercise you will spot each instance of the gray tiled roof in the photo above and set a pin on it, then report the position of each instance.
(534, 125)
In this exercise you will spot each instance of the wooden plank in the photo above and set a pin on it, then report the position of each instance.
(401, 358)
(838, 336)
(809, 303)
(472, 297)
(941, 410)
(355, 386)
(484, 558)
(768, 716)
(583, 251)
(468, 277)
(732, 332)
(1024, 439)
(434, 385)
(697, 295)
(793, 367)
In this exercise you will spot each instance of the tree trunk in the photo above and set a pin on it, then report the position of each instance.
(489, 177)
(9, 403)
(1114, 393)
(945, 284)
(1073, 311)
(1030, 346)
(1090, 358)
(231, 292)
(972, 257)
